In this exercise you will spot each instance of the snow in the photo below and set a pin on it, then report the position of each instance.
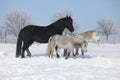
(100, 63)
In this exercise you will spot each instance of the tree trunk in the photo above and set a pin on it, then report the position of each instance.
(107, 37)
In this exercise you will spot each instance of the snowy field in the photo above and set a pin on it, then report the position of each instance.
(100, 63)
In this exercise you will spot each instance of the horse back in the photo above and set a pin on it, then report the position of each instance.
(35, 33)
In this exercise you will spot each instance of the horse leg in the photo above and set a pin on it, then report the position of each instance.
(74, 55)
(82, 53)
(58, 51)
(27, 46)
(23, 50)
(51, 53)
(77, 49)
(65, 52)
(72, 50)
(68, 54)
(28, 53)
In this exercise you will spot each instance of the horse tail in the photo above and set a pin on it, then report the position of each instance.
(19, 45)
(49, 48)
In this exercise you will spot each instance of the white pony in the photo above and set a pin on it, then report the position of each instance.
(89, 35)
(86, 36)
(65, 42)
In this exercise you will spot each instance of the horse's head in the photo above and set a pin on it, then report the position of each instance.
(69, 23)
(96, 36)
(84, 46)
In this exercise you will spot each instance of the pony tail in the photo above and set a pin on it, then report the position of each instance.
(49, 48)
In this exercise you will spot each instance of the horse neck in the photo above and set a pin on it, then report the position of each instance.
(86, 37)
(57, 27)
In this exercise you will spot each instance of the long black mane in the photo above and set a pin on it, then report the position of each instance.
(40, 34)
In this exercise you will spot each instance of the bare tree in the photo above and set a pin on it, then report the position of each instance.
(77, 27)
(61, 15)
(1, 33)
(107, 27)
(15, 21)
(64, 14)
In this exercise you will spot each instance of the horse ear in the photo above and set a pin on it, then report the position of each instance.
(67, 16)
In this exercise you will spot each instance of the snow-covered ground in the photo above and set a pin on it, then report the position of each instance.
(100, 63)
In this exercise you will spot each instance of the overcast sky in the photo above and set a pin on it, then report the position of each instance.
(86, 12)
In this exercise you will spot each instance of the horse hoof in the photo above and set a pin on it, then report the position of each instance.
(74, 57)
(23, 57)
(29, 55)
(82, 57)
(66, 58)
(58, 56)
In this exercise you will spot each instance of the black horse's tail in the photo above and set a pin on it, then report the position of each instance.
(19, 45)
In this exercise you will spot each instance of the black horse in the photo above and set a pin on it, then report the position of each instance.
(40, 34)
